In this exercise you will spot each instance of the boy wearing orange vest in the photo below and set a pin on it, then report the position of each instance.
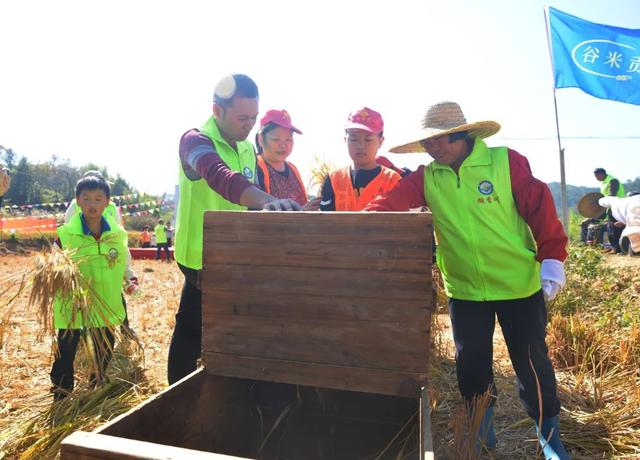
(351, 188)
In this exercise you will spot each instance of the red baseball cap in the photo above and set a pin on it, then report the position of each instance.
(280, 118)
(366, 119)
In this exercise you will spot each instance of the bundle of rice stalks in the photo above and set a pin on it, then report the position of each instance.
(604, 414)
(319, 173)
(465, 424)
(85, 409)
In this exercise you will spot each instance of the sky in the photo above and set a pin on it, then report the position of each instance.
(117, 83)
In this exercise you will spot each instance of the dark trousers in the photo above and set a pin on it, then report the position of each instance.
(584, 229)
(166, 250)
(185, 347)
(614, 235)
(146, 245)
(523, 323)
(62, 372)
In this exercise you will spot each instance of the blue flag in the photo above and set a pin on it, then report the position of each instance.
(601, 60)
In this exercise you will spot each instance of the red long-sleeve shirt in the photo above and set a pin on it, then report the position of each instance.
(532, 197)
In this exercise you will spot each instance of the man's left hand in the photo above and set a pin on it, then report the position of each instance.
(552, 278)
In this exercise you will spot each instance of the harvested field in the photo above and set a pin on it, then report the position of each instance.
(25, 361)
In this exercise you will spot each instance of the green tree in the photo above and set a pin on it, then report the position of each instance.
(121, 187)
(21, 189)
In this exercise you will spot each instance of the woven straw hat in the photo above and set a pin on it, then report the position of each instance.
(446, 118)
(588, 205)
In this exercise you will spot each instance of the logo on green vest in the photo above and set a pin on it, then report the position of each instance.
(247, 172)
(485, 187)
(113, 254)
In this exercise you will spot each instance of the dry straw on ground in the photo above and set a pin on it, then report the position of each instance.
(596, 352)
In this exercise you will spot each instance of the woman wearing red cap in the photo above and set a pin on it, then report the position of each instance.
(276, 175)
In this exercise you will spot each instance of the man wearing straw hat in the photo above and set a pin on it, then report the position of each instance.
(501, 249)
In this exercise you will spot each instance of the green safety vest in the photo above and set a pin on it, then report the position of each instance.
(606, 187)
(196, 197)
(102, 264)
(110, 210)
(161, 235)
(485, 248)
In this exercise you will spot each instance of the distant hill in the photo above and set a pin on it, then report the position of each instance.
(574, 192)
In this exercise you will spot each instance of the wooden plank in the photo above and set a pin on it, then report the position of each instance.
(348, 293)
(363, 255)
(397, 346)
(308, 281)
(426, 441)
(200, 412)
(377, 381)
(89, 446)
(317, 227)
(312, 306)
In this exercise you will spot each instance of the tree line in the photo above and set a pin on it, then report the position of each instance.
(51, 181)
(574, 192)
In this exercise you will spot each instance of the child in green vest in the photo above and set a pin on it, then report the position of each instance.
(100, 246)
(161, 240)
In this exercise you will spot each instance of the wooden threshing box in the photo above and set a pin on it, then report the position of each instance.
(315, 346)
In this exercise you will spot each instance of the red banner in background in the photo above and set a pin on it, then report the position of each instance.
(28, 224)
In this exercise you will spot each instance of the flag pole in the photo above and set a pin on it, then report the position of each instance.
(563, 182)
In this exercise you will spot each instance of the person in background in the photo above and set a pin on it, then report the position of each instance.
(101, 248)
(217, 172)
(5, 180)
(487, 210)
(275, 174)
(169, 230)
(161, 240)
(352, 187)
(611, 187)
(625, 212)
(145, 237)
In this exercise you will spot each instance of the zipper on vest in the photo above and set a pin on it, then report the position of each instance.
(458, 178)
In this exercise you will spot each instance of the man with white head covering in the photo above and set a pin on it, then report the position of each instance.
(626, 212)
(216, 173)
(500, 250)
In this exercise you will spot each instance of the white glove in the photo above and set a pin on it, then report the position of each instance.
(552, 277)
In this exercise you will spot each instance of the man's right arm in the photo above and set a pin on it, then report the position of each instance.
(407, 194)
(200, 160)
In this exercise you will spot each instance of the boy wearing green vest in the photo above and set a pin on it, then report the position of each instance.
(500, 250)
(100, 246)
(217, 172)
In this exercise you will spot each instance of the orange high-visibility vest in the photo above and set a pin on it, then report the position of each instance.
(345, 194)
(267, 180)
